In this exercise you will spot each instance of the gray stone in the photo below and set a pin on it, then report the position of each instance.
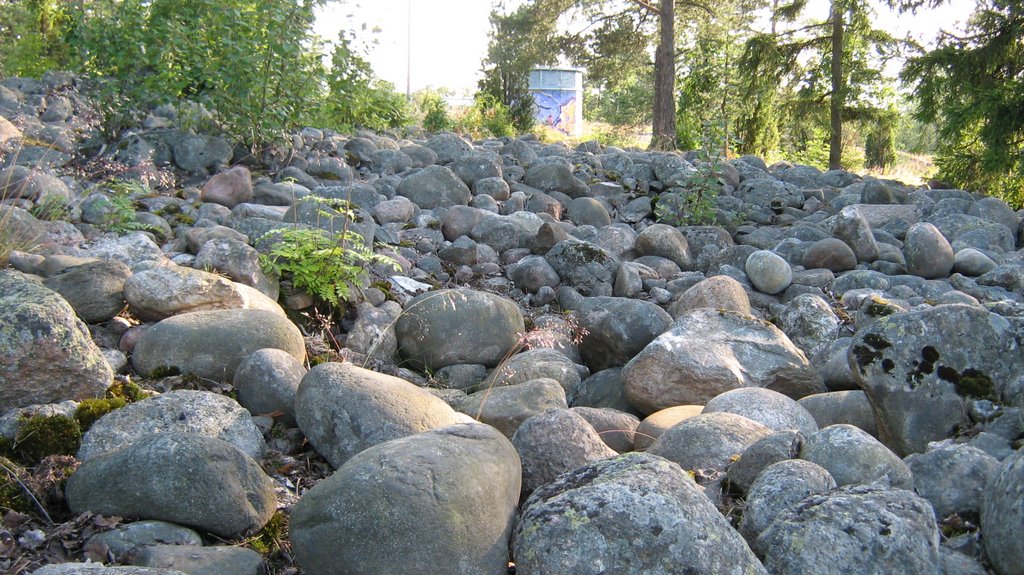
(178, 477)
(769, 408)
(266, 383)
(201, 153)
(616, 329)
(443, 501)
(707, 352)
(220, 560)
(921, 367)
(373, 332)
(583, 265)
(588, 212)
(602, 389)
(665, 241)
(952, 478)
(761, 191)
(537, 363)
(779, 487)
(850, 406)
(554, 442)
(118, 542)
(95, 290)
(134, 250)
(1002, 516)
(928, 254)
(809, 322)
(448, 327)
(716, 292)
(962, 231)
(770, 449)
(46, 353)
(100, 569)
(864, 529)
(162, 292)
(447, 147)
(853, 228)
(708, 441)
(768, 272)
(636, 514)
(555, 177)
(435, 186)
(180, 411)
(506, 408)
(855, 458)
(239, 261)
(616, 428)
(344, 409)
(829, 253)
(211, 344)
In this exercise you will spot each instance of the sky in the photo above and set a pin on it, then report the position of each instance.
(448, 38)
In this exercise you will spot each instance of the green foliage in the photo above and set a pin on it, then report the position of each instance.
(627, 104)
(880, 141)
(269, 539)
(40, 436)
(32, 37)
(695, 205)
(12, 494)
(126, 390)
(972, 87)
(435, 112)
(119, 215)
(90, 410)
(51, 208)
(355, 98)
(486, 117)
(328, 266)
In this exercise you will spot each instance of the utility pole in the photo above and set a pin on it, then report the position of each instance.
(408, 53)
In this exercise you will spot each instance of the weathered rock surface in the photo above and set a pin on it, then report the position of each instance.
(707, 352)
(344, 409)
(634, 514)
(212, 344)
(178, 477)
(442, 501)
(46, 354)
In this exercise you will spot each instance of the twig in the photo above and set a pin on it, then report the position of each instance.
(28, 492)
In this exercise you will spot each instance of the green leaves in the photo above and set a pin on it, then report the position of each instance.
(328, 266)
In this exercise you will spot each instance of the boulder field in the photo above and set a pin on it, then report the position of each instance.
(561, 372)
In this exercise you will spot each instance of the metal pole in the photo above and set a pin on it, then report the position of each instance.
(408, 54)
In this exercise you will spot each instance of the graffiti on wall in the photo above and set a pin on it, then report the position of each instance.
(556, 108)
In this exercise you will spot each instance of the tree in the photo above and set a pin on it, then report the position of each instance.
(972, 86)
(664, 115)
(844, 65)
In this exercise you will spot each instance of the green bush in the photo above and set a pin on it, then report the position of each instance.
(328, 266)
(435, 113)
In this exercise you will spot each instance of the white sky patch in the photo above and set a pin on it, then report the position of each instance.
(448, 38)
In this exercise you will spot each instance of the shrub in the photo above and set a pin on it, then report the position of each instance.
(328, 266)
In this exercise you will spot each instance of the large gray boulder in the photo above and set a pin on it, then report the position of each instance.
(198, 153)
(928, 253)
(920, 368)
(554, 442)
(507, 407)
(46, 353)
(953, 479)
(769, 408)
(344, 409)
(162, 292)
(780, 486)
(537, 363)
(212, 344)
(854, 458)
(709, 441)
(616, 329)
(864, 529)
(555, 177)
(707, 352)
(267, 381)
(179, 411)
(178, 477)
(589, 268)
(635, 514)
(1002, 516)
(95, 289)
(448, 327)
(443, 501)
(434, 187)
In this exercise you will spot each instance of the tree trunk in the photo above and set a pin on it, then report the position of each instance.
(664, 132)
(835, 145)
